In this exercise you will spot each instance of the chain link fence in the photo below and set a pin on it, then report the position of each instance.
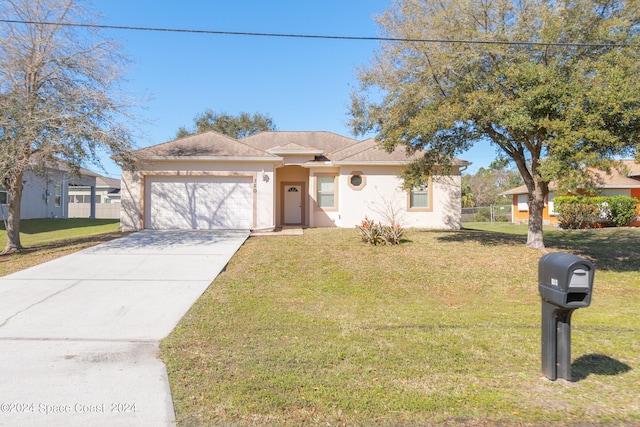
(493, 213)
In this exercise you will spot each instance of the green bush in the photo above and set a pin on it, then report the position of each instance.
(578, 212)
(376, 233)
(586, 212)
(621, 210)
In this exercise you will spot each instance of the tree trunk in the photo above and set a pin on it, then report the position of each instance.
(14, 192)
(536, 208)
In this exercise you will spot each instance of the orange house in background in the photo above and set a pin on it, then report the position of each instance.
(612, 184)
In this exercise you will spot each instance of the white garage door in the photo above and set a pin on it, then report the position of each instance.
(199, 203)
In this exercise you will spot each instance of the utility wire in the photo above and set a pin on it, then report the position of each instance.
(310, 36)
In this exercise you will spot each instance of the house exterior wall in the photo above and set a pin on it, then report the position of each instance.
(381, 198)
(520, 210)
(133, 187)
(39, 198)
(325, 217)
(520, 213)
(36, 199)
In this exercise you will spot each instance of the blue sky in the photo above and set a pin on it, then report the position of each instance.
(303, 84)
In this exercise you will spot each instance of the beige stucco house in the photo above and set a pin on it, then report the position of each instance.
(276, 179)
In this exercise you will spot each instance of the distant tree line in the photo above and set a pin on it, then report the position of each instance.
(484, 187)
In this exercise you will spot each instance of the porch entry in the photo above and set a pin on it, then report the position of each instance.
(293, 203)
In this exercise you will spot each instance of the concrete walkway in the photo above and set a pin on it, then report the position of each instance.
(79, 335)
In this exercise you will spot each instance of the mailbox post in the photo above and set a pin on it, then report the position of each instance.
(565, 283)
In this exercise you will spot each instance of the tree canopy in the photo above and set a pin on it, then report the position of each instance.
(60, 97)
(553, 84)
(244, 124)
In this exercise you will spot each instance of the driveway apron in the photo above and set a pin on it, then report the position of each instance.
(80, 335)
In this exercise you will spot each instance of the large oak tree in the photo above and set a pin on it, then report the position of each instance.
(60, 96)
(244, 124)
(553, 84)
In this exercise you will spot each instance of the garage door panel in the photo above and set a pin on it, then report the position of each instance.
(200, 203)
(170, 205)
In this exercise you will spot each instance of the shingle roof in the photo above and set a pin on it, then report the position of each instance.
(292, 148)
(370, 150)
(326, 141)
(632, 166)
(103, 181)
(334, 147)
(208, 144)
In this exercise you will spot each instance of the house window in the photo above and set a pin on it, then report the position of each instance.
(550, 205)
(420, 197)
(523, 202)
(357, 181)
(326, 191)
(4, 197)
(58, 199)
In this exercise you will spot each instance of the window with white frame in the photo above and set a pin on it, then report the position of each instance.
(550, 205)
(523, 202)
(58, 196)
(326, 191)
(4, 196)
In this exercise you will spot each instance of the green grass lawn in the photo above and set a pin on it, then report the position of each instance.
(443, 329)
(46, 239)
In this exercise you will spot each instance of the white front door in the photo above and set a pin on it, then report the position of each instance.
(293, 204)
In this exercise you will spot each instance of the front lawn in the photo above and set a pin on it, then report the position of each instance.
(47, 239)
(443, 329)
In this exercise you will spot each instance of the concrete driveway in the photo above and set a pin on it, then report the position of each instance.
(79, 335)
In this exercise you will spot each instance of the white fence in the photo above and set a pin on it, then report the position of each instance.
(103, 210)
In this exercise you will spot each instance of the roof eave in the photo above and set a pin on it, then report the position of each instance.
(295, 152)
(273, 159)
(624, 186)
(372, 162)
(309, 165)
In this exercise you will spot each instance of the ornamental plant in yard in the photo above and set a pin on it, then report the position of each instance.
(377, 233)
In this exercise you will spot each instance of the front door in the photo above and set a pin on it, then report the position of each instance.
(293, 204)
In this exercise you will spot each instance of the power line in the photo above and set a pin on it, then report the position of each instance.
(312, 36)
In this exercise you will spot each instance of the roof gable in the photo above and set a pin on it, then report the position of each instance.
(294, 148)
(325, 141)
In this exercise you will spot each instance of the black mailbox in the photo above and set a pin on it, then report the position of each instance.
(565, 280)
(565, 283)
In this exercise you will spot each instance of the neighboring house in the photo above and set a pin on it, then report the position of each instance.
(106, 199)
(47, 196)
(275, 179)
(610, 184)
